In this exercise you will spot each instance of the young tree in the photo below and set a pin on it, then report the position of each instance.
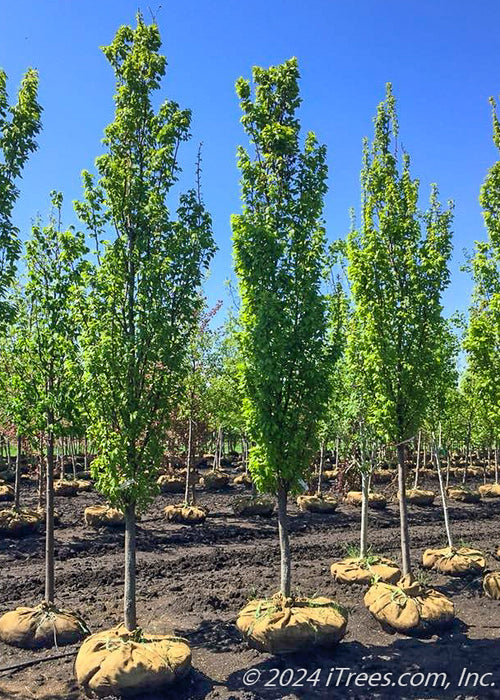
(278, 248)
(398, 269)
(482, 341)
(145, 295)
(56, 275)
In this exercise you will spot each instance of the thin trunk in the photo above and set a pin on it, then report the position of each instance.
(129, 608)
(73, 456)
(286, 564)
(403, 512)
(337, 446)
(49, 512)
(17, 483)
(443, 498)
(417, 468)
(187, 498)
(8, 454)
(365, 487)
(41, 474)
(448, 470)
(320, 470)
(85, 454)
(496, 462)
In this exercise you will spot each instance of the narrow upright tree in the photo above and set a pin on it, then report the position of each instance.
(398, 270)
(278, 249)
(56, 272)
(145, 295)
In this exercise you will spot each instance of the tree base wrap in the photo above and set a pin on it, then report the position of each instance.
(65, 488)
(171, 484)
(490, 490)
(118, 662)
(491, 585)
(6, 493)
(375, 500)
(330, 474)
(215, 480)
(84, 485)
(460, 561)
(281, 625)
(408, 607)
(420, 497)
(15, 523)
(464, 496)
(187, 515)
(317, 504)
(98, 516)
(242, 479)
(253, 505)
(42, 626)
(363, 571)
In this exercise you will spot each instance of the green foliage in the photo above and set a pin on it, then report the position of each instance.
(144, 299)
(48, 330)
(398, 269)
(482, 341)
(19, 126)
(279, 252)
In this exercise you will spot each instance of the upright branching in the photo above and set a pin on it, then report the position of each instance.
(278, 250)
(398, 269)
(145, 294)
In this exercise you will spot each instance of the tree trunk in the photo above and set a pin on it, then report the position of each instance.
(85, 454)
(17, 483)
(496, 463)
(41, 474)
(129, 607)
(49, 512)
(286, 563)
(320, 470)
(365, 487)
(443, 499)
(417, 467)
(403, 512)
(187, 497)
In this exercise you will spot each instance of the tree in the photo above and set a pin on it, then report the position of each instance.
(278, 249)
(145, 296)
(482, 341)
(18, 131)
(56, 276)
(398, 269)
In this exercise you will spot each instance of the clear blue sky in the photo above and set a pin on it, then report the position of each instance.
(441, 56)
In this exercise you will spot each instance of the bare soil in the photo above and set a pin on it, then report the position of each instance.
(193, 581)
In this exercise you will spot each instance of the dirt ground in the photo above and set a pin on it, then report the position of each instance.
(194, 580)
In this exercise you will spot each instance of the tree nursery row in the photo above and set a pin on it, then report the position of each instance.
(335, 387)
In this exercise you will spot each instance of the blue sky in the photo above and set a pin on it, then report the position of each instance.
(441, 56)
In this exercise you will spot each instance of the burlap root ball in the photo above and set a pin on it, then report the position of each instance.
(15, 523)
(420, 497)
(281, 625)
(491, 585)
(489, 490)
(65, 488)
(42, 626)
(84, 485)
(354, 570)
(382, 476)
(375, 500)
(408, 607)
(6, 493)
(103, 516)
(330, 474)
(317, 504)
(215, 480)
(253, 505)
(464, 495)
(171, 484)
(118, 662)
(185, 514)
(454, 561)
(242, 480)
